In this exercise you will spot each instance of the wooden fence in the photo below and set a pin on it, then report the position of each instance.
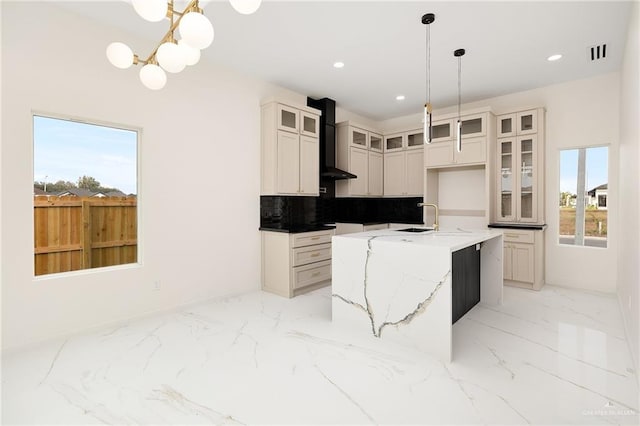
(73, 233)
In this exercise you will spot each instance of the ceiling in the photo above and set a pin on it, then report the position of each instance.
(382, 43)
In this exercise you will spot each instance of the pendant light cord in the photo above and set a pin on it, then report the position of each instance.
(459, 84)
(428, 64)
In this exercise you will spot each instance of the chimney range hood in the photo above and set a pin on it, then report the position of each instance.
(328, 167)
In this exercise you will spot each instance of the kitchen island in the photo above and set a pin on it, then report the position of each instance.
(410, 286)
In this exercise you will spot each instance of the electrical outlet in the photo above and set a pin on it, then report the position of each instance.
(156, 285)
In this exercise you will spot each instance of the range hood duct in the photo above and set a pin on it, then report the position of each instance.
(328, 167)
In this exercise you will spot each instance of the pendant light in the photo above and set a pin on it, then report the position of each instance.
(427, 19)
(459, 53)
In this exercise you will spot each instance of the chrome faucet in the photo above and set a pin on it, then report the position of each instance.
(435, 225)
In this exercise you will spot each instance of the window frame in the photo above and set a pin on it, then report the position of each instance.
(610, 148)
(139, 197)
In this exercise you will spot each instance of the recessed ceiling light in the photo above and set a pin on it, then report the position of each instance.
(554, 57)
(338, 65)
(400, 98)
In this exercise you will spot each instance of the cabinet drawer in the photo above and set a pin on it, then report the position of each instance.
(517, 236)
(310, 254)
(311, 274)
(311, 238)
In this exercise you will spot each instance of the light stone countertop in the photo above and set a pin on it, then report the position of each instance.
(453, 239)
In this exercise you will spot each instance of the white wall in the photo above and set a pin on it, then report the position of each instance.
(579, 113)
(199, 176)
(629, 178)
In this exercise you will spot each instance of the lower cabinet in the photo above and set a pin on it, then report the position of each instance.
(523, 258)
(293, 264)
(465, 281)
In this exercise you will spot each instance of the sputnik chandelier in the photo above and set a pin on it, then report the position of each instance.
(171, 55)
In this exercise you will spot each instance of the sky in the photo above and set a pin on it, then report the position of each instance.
(597, 165)
(66, 150)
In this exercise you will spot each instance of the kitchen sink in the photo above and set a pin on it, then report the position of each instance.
(415, 229)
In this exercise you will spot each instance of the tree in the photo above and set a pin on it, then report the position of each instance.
(88, 182)
(53, 187)
(565, 198)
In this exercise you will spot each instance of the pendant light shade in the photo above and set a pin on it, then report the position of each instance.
(459, 53)
(151, 10)
(191, 55)
(171, 57)
(427, 19)
(120, 55)
(153, 77)
(246, 7)
(196, 30)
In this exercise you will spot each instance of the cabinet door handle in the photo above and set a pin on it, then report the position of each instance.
(315, 238)
(512, 235)
(316, 254)
(315, 274)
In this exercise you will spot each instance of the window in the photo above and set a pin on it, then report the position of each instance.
(84, 195)
(583, 196)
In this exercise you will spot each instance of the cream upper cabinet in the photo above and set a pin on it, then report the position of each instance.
(359, 151)
(473, 125)
(415, 173)
(394, 173)
(358, 161)
(358, 138)
(527, 122)
(442, 130)
(309, 162)
(375, 142)
(288, 154)
(520, 170)
(403, 173)
(394, 142)
(376, 173)
(443, 152)
(288, 118)
(403, 169)
(506, 125)
(290, 150)
(309, 124)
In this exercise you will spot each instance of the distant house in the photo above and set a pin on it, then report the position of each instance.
(81, 192)
(38, 192)
(77, 192)
(598, 197)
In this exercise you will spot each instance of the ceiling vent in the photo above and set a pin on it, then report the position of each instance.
(598, 52)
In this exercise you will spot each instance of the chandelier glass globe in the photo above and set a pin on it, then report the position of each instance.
(196, 30)
(151, 10)
(246, 7)
(120, 55)
(171, 57)
(191, 55)
(153, 77)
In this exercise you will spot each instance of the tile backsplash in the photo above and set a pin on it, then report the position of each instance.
(285, 212)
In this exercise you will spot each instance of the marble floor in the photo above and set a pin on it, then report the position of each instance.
(557, 356)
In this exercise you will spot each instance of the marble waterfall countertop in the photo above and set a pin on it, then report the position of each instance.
(397, 285)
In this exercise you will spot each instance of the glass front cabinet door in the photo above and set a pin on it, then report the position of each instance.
(506, 180)
(527, 187)
(288, 118)
(517, 180)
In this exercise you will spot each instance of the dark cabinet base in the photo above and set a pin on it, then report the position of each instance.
(465, 280)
